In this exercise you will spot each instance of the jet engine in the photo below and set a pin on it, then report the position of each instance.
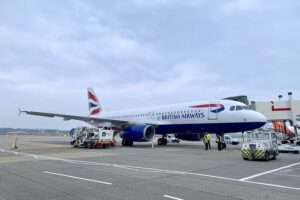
(138, 133)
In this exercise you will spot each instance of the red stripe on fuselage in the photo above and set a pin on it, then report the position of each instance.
(207, 105)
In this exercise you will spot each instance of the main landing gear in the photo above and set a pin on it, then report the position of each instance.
(162, 141)
(127, 143)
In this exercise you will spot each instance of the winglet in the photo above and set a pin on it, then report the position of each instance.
(20, 111)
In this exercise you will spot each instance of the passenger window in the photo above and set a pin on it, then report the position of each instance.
(232, 108)
(239, 108)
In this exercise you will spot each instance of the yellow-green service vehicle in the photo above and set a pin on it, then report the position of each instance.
(260, 145)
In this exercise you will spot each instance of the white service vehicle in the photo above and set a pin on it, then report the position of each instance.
(260, 145)
(289, 147)
(99, 137)
(172, 139)
(228, 139)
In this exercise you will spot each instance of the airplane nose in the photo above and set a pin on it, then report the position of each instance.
(261, 118)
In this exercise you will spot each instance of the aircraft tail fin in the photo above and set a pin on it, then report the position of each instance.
(94, 105)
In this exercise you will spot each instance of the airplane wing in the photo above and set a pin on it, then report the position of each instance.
(90, 120)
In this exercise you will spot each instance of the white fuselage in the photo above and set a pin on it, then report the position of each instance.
(213, 116)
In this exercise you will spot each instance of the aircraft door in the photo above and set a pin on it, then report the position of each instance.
(212, 114)
(151, 116)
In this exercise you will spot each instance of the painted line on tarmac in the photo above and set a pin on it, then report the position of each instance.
(268, 172)
(155, 170)
(287, 175)
(171, 197)
(75, 177)
(272, 185)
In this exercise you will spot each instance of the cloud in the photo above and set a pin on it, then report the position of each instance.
(142, 53)
(237, 6)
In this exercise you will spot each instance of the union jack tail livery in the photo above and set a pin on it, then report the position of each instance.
(94, 105)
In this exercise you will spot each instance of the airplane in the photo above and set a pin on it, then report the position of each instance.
(188, 121)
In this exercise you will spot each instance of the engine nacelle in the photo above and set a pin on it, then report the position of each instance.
(190, 136)
(138, 133)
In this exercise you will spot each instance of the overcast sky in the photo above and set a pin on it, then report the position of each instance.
(141, 53)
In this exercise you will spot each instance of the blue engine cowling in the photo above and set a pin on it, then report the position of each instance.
(138, 133)
(190, 136)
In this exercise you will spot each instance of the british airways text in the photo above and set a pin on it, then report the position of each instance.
(183, 116)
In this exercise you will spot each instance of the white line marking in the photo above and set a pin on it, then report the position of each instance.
(268, 172)
(287, 175)
(243, 180)
(129, 168)
(273, 185)
(167, 196)
(85, 179)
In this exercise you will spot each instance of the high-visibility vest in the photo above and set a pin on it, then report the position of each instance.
(205, 139)
(220, 139)
(208, 136)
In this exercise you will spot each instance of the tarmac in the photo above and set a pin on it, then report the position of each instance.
(47, 167)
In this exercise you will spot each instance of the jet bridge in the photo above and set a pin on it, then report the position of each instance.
(279, 110)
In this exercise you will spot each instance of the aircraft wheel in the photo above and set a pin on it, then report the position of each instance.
(74, 145)
(165, 141)
(127, 143)
(159, 141)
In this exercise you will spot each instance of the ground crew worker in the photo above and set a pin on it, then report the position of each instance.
(206, 140)
(220, 142)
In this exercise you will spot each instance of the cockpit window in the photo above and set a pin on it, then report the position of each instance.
(246, 108)
(232, 108)
(239, 108)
